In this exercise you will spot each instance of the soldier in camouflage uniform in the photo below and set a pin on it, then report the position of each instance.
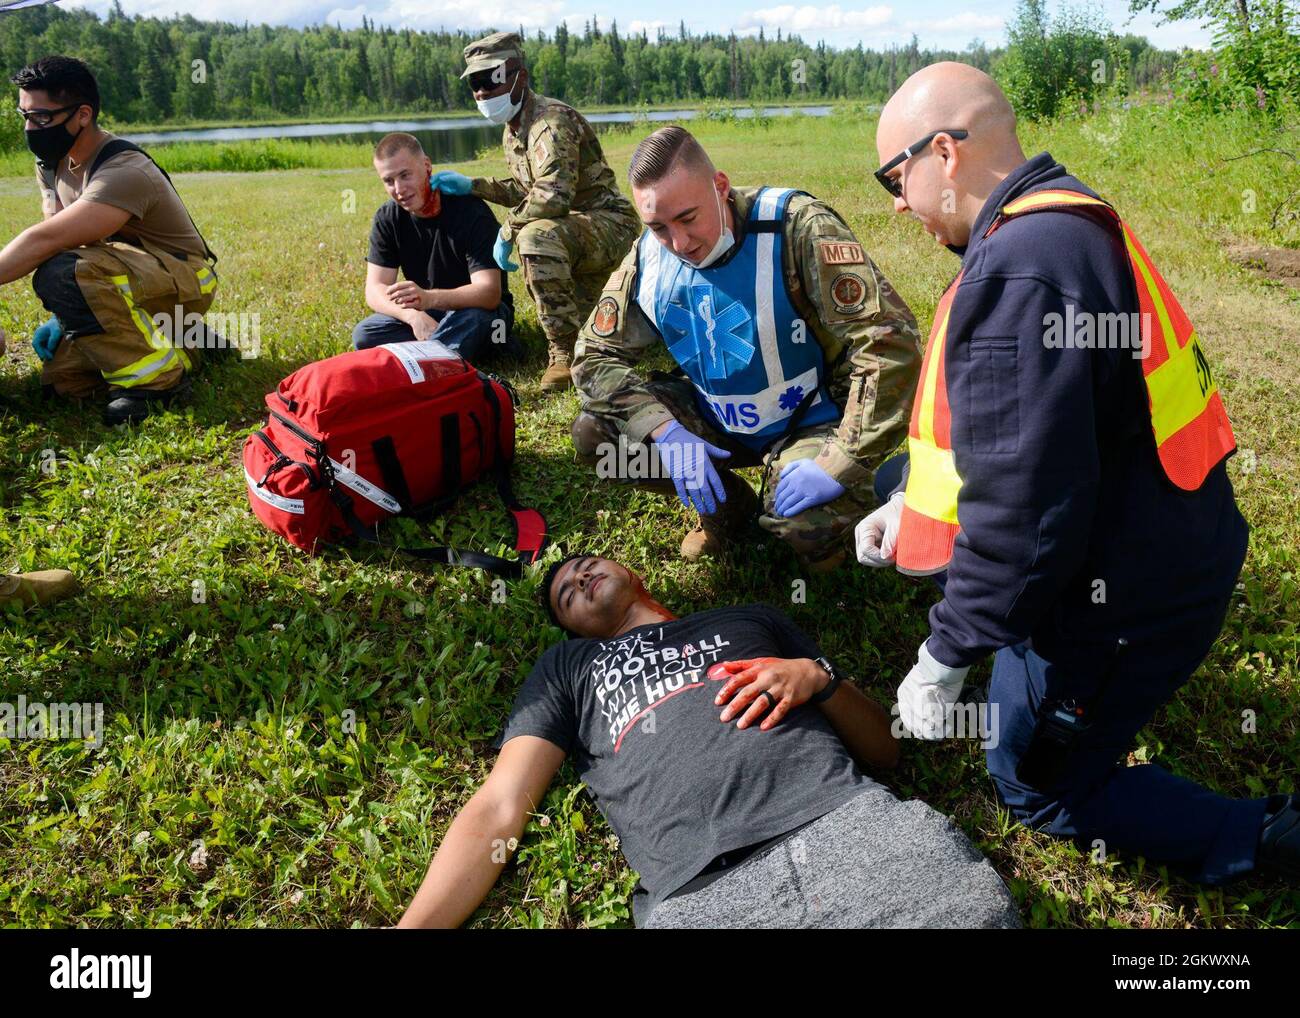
(867, 337)
(570, 221)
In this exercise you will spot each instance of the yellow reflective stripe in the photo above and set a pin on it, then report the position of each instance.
(150, 366)
(146, 369)
(207, 280)
(1174, 387)
(1175, 390)
(932, 481)
(1162, 312)
(142, 320)
(930, 384)
(1041, 198)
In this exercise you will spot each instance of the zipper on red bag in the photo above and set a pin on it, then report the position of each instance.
(283, 460)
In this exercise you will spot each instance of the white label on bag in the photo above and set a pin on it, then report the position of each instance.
(288, 505)
(410, 355)
(364, 488)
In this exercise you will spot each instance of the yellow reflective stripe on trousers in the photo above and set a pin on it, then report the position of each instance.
(150, 366)
(932, 481)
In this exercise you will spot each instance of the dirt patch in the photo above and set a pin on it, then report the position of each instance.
(1277, 263)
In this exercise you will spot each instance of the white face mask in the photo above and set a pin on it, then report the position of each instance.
(725, 239)
(499, 109)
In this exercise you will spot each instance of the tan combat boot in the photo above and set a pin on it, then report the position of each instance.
(734, 518)
(557, 377)
(41, 588)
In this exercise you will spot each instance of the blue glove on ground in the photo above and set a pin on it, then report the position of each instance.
(687, 457)
(45, 339)
(501, 253)
(451, 182)
(803, 485)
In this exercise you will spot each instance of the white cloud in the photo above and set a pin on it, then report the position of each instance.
(816, 19)
(966, 23)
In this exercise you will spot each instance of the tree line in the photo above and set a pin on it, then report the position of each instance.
(152, 70)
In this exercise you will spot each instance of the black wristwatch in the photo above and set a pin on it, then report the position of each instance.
(834, 684)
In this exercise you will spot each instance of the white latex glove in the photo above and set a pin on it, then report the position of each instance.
(926, 697)
(877, 534)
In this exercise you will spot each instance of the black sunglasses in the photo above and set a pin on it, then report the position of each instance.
(895, 187)
(486, 81)
(42, 118)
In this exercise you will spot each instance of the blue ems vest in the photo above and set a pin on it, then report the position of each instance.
(734, 330)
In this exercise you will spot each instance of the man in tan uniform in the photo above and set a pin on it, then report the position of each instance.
(117, 261)
(795, 355)
(570, 221)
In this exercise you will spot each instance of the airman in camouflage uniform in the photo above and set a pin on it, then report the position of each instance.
(570, 221)
(871, 351)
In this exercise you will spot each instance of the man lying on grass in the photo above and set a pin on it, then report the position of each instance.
(728, 757)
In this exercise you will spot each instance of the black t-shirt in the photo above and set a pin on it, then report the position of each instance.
(440, 252)
(679, 787)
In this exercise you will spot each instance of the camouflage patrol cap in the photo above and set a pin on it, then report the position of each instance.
(492, 51)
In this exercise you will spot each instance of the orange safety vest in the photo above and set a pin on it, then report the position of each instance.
(1191, 427)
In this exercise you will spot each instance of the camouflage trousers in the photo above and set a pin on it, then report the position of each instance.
(816, 534)
(567, 263)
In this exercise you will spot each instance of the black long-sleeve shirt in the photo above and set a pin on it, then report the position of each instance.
(1071, 535)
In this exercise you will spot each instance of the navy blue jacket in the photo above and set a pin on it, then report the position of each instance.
(1061, 483)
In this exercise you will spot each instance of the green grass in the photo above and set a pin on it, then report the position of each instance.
(232, 789)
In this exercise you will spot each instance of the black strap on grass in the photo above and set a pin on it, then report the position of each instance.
(441, 554)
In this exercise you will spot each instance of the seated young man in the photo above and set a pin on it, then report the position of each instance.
(728, 756)
(115, 257)
(453, 291)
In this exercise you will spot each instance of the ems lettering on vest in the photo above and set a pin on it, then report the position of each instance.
(751, 413)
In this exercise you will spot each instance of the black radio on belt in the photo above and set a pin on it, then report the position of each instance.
(1061, 725)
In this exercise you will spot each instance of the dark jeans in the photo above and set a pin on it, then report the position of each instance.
(468, 331)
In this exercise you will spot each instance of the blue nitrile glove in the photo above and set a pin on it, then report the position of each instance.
(501, 253)
(451, 182)
(803, 484)
(687, 458)
(45, 339)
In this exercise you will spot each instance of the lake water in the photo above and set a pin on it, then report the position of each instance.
(445, 139)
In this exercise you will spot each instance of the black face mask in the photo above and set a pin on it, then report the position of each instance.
(50, 144)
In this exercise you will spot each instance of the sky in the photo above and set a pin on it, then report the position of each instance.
(938, 24)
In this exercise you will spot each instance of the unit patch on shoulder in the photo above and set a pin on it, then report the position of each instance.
(605, 319)
(840, 252)
(542, 149)
(849, 292)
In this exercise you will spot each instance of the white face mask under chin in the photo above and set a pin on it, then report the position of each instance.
(725, 239)
(499, 109)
